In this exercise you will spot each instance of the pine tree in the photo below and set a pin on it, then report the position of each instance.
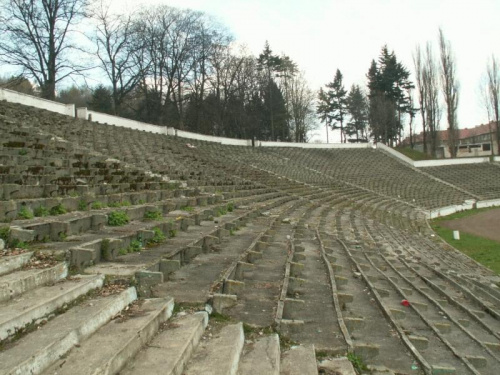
(338, 99)
(357, 108)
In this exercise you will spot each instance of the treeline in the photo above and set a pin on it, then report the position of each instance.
(391, 101)
(162, 65)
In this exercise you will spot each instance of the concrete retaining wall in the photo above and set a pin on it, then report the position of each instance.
(103, 118)
(313, 145)
(449, 210)
(33, 101)
(443, 162)
(488, 203)
(432, 163)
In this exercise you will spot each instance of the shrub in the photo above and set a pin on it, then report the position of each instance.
(97, 205)
(5, 234)
(25, 213)
(41, 211)
(159, 236)
(230, 207)
(153, 215)
(58, 210)
(118, 218)
(135, 246)
(82, 206)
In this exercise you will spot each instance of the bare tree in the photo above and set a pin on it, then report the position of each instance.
(493, 95)
(36, 38)
(450, 87)
(419, 78)
(117, 44)
(302, 107)
(431, 100)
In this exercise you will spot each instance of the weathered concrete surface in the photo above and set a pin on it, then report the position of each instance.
(109, 349)
(38, 303)
(179, 341)
(12, 263)
(341, 366)
(20, 282)
(299, 360)
(35, 352)
(261, 357)
(219, 356)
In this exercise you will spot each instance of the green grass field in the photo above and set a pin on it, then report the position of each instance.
(482, 250)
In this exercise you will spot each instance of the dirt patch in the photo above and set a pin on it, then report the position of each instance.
(485, 224)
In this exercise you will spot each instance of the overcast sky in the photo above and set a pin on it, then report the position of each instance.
(323, 35)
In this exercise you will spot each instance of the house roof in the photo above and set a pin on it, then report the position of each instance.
(462, 133)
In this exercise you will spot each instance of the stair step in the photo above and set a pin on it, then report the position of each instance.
(299, 360)
(219, 356)
(38, 303)
(12, 263)
(261, 357)
(19, 282)
(109, 349)
(38, 350)
(179, 340)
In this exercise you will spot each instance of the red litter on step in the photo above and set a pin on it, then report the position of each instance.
(405, 303)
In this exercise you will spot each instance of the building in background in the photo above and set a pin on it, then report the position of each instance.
(477, 141)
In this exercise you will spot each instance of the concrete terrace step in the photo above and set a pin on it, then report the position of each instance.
(35, 352)
(20, 282)
(220, 355)
(261, 357)
(171, 349)
(299, 360)
(109, 349)
(41, 302)
(14, 262)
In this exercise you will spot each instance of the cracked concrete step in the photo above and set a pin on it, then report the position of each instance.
(220, 355)
(109, 349)
(261, 357)
(12, 263)
(39, 349)
(19, 282)
(170, 350)
(17, 313)
(299, 360)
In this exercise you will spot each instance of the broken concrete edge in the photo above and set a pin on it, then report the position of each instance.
(286, 281)
(333, 285)
(438, 305)
(421, 360)
(230, 272)
(438, 328)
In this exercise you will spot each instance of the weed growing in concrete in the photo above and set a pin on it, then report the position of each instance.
(217, 317)
(25, 213)
(357, 362)
(118, 218)
(172, 233)
(97, 205)
(153, 215)
(159, 236)
(5, 234)
(114, 204)
(230, 207)
(58, 210)
(135, 246)
(82, 206)
(41, 211)
(23, 152)
(187, 208)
